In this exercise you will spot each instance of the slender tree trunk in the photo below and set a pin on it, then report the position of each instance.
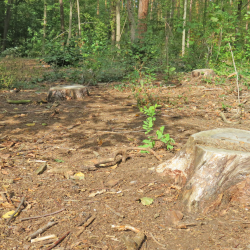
(70, 21)
(172, 13)
(184, 28)
(190, 20)
(118, 24)
(247, 20)
(6, 23)
(79, 20)
(131, 20)
(44, 26)
(113, 21)
(205, 14)
(142, 15)
(62, 15)
(151, 9)
(178, 6)
(98, 8)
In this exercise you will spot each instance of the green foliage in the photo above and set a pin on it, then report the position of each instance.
(148, 126)
(59, 55)
(225, 106)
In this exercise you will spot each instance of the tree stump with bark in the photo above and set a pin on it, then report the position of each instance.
(203, 73)
(67, 92)
(213, 169)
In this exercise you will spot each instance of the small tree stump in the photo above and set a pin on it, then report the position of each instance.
(213, 168)
(203, 72)
(67, 92)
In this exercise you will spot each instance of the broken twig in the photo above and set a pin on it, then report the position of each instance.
(45, 215)
(41, 230)
(86, 224)
(59, 241)
(17, 210)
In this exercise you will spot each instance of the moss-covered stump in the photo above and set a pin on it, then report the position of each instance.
(213, 169)
(67, 92)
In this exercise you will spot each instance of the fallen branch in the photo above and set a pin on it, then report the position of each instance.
(86, 224)
(59, 241)
(18, 101)
(17, 210)
(45, 215)
(112, 210)
(41, 230)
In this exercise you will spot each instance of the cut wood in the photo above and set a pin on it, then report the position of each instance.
(213, 168)
(203, 72)
(67, 92)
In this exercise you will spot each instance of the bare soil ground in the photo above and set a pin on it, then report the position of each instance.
(78, 134)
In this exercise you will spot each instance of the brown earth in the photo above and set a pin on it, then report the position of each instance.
(78, 134)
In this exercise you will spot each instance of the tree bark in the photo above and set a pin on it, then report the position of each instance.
(190, 20)
(113, 21)
(6, 23)
(131, 20)
(98, 8)
(67, 92)
(184, 28)
(62, 15)
(44, 25)
(142, 15)
(213, 169)
(118, 23)
(70, 21)
(79, 20)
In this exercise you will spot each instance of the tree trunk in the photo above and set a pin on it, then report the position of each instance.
(44, 25)
(213, 168)
(62, 15)
(131, 20)
(190, 20)
(6, 23)
(205, 14)
(172, 13)
(118, 24)
(98, 8)
(70, 21)
(113, 22)
(151, 9)
(247, 20)
(184, 28)
(79, 20)
(142, 15)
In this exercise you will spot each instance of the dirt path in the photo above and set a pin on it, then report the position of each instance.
(72, 136)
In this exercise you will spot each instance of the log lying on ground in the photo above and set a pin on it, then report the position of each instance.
(213, 168)
(203, 72)
(67, 92)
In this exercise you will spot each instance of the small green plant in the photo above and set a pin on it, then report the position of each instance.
(148, 126)
(225, 106)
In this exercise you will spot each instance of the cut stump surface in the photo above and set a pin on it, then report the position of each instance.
(213, 169)
(203, 72)
(67, 92)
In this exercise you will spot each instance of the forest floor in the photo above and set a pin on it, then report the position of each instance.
(71, 136)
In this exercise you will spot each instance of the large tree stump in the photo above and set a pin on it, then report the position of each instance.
(67, 92)
(213, 168)
(203, 73)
